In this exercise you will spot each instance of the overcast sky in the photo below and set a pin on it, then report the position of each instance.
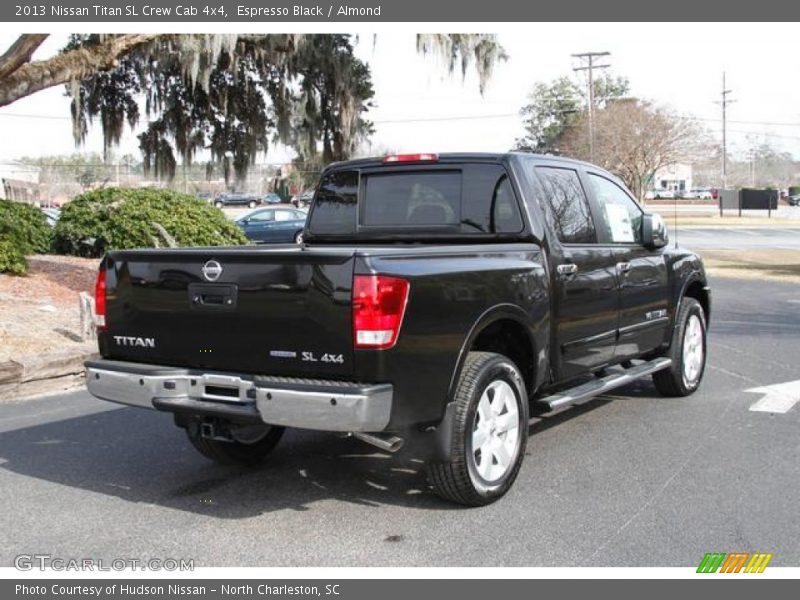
(418, 105)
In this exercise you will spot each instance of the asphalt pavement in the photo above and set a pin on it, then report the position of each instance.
(630, 479)
(773, 237)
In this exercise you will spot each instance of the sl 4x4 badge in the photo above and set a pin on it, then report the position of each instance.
(308, 356)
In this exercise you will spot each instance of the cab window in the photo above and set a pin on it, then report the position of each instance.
(620, 216)
(568, 207)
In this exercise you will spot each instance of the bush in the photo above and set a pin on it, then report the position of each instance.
(11, 259)
(23, 230)
(119, 218)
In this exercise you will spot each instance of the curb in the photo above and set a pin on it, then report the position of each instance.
(46, 373)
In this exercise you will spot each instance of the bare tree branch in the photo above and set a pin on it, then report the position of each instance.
(69, 66)
(20, 52)
(634, 139)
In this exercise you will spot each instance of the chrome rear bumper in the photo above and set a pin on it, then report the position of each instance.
(291, 402)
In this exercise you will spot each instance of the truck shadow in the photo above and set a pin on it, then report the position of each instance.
(140, 456)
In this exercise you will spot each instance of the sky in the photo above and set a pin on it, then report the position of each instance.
(421, 108)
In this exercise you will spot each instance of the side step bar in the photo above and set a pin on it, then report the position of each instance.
(604, 384)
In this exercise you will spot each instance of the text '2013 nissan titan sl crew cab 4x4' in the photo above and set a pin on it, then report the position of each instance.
(436, 300)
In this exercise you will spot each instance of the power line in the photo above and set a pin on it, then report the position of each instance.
(479, 117)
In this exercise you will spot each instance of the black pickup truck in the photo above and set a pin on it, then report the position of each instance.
(436, 300)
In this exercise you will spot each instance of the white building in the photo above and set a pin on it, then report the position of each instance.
(676, 177)
(19, 182)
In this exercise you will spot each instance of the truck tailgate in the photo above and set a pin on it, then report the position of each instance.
(278, 311)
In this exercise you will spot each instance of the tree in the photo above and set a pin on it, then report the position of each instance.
(465, 50)
(229, 94)
(21, 77)
(633, 139)
(556, 106)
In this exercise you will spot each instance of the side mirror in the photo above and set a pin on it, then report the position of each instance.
(654, 231)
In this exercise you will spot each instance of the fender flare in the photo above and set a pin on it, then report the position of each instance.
(491, 315)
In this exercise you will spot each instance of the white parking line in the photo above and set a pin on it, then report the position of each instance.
(778, 397)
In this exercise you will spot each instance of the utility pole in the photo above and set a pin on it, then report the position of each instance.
(588, 64)
(724, 103)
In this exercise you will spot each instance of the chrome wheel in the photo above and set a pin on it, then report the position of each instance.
(495, 433)
(693, 350)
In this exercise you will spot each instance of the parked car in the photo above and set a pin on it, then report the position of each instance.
(236, 199)
(793, 200)
(303, 199)
(51, 215)
(435, 301)
(699, 194)
(272, 198)
(273, 224)
(659, 194)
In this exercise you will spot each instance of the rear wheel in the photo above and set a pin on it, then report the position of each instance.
(298, 237)
(242, 444)
(687, 351)
(218, 204)
(489, 434)
(251, 204)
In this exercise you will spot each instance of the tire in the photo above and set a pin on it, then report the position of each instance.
(467, 478)
(683, 377)
(251, 450)
(251, 204)
(218, 204)
(298, 237)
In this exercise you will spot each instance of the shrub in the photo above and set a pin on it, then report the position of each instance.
(11, 259)
(23, 230)
(119, 218)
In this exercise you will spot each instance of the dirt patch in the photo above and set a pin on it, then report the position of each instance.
(39, 312)
(776, 265)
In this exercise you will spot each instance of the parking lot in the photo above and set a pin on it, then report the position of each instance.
(627, 479)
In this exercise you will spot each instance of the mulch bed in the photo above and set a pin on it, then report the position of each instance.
(39, 311)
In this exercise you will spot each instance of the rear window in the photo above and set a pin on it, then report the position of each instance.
(468, 199)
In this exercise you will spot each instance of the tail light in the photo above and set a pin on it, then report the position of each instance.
(100, 300)
(402, 158)
(378, 306)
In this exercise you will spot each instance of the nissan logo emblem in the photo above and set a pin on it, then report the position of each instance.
(212, 270)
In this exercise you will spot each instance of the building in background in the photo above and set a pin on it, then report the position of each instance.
(20, 182)
(676, 177)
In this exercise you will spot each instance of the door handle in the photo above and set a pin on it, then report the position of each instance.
(567, 269)
(624, 267)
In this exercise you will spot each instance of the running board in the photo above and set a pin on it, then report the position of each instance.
(604, 384)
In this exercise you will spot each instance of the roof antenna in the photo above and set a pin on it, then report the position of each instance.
(675, 216)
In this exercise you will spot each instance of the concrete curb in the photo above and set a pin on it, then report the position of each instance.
(47, 373)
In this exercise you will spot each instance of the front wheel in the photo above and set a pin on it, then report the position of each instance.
(298, 237)
(245, 444)
(490, 432)
(687, 351)
(219, 204)
(251, 204)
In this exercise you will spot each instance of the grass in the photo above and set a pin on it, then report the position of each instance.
(776, 265)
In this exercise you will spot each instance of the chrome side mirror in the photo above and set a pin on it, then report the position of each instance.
(654, 231)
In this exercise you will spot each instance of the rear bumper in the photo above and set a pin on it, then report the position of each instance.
(291, 402)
